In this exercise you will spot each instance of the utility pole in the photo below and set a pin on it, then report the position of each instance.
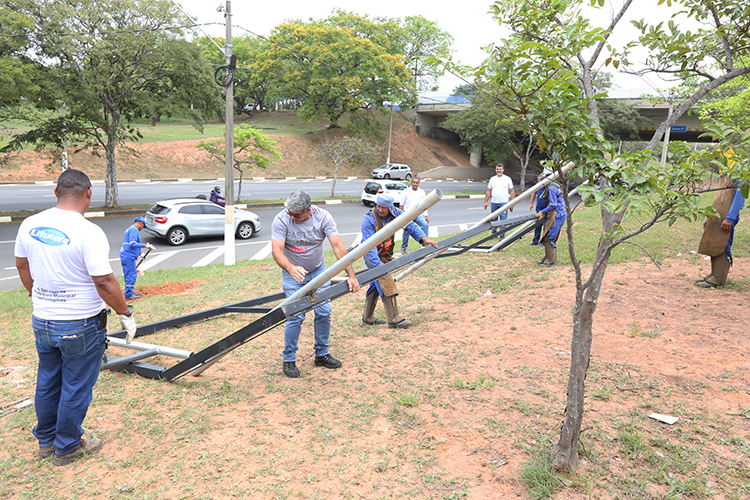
(229, 249)
(64, 139)
(665, 147)
(390, 131)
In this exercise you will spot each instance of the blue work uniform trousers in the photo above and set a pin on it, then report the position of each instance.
(293, 327)
(70, 355)
(129, 273)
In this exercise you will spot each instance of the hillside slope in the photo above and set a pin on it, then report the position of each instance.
(181, 158)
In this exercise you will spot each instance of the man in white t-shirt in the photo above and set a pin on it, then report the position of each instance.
(297, 236)
(412, 197)
(63, 262)
(499, 192)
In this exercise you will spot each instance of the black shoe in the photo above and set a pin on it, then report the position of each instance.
(134, 296)
(290, 369)
(328, 361)
(546, 264)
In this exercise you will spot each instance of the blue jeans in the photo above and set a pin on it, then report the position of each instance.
(502, 216)
(293, 327)
(420, 221)
(70, 355)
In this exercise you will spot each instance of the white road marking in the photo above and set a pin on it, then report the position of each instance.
(155, 260)
(264, 253)
(210, 257)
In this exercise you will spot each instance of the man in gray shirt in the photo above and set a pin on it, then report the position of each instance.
(297, 236)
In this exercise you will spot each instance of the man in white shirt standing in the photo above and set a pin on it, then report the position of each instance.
(63, 262)
(411, 198)
(499, 193)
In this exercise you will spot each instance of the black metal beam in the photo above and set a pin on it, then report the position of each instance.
(238, 307)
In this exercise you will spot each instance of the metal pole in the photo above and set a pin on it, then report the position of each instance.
(665, 147)
(64, 139)
(129, 359)
(142, 346)
(494, 214)
(229, 250)
(390, 132)
(386, 232)
(512, 203)
(524, 226)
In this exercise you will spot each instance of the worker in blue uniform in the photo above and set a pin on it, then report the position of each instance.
(383, 213)
(555, 215)
(541, 198)
(712, 242)
(129, 253)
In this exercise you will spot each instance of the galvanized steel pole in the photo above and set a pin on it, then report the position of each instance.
(493, 215)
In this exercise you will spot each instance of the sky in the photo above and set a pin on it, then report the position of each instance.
(468, 21)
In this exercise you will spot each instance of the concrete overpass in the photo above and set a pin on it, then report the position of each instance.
(430, 114)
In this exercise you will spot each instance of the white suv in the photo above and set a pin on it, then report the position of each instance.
(392, 171)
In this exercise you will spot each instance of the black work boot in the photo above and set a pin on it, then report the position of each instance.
(328, 361)
(290, 369)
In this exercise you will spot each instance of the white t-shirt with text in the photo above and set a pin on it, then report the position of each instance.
(64, 251)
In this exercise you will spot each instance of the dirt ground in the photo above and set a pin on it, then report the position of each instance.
(661, 345)
(677, 349)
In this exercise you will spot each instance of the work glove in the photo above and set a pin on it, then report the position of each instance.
(128, 323)
(150, 246)
(539, 216)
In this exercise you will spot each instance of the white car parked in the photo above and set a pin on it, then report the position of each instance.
(375, 187)
(392, 171)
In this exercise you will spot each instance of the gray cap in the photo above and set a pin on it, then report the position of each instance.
(297, 201)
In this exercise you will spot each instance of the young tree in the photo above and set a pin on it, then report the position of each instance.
(357, 150)
(251, 148)
(110, 62)
(544, 73)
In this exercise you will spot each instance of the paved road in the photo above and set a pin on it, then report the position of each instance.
(449, 216)
(42, 196)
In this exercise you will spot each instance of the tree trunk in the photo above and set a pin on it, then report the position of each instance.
(111, 198)
(565, 453)
(335, 176)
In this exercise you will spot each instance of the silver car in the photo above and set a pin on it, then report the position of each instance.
(183, 218)
(392, 171)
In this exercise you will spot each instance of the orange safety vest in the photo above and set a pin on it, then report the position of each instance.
(385, 248)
